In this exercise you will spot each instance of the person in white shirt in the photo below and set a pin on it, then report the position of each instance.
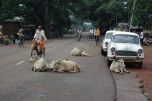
(79, 35)
(39, 34)
(141, 37)
(92, 31)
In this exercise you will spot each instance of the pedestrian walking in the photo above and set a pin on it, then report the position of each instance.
(21, 38)
(79, 35)
(97, 34)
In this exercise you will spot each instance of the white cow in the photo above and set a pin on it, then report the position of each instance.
(118, 66)
(79, 52)
(40, 65)
(64, 66)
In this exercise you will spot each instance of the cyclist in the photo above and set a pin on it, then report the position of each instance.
(37, 41)
(92, 31)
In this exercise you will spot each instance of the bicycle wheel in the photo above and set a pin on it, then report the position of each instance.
(90, 37)
(42, 52)
(34, 54)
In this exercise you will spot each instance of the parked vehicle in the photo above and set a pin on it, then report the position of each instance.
(90, 37)
(106, 40)
(126, 46)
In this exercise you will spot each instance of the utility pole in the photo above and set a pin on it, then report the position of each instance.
(19, 5)
(131, 19)
(116, 21)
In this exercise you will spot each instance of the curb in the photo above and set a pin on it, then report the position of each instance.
(129, 88)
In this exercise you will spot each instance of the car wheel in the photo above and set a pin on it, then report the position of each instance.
(103, 52)
(140, 64)
(109, 62)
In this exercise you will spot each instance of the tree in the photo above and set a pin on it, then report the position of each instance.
(142, 13)
(62, 13)
(101, 12)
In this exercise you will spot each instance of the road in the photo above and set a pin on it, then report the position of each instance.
(19, 83)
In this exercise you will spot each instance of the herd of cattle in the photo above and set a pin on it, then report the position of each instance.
(59, 65)
(64, 65)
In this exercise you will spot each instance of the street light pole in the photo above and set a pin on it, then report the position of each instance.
(131, 19)
(21, 18)
(19, 5)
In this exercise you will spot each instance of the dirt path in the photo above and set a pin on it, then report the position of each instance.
(145, 73)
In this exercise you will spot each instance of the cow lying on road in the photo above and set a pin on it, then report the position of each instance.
(64, 66)
(118, 66)
(79, 52)
(40, 65)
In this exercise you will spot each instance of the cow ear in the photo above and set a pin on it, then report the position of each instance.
(58, 61)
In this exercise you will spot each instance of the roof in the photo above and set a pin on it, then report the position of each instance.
(109, 31)
(15, 19)
(125, 33)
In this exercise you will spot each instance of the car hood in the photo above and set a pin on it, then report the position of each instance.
(126, 46)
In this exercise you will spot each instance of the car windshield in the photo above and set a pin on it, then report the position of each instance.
(109, 35)
(126, 39)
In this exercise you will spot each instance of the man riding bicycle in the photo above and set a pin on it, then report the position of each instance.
(38, 43)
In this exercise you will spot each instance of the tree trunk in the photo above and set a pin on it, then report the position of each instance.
(45, 7)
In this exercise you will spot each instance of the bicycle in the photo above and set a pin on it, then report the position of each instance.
(90, 37)
(36, 52)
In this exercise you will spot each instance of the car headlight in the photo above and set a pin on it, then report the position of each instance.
(106, 44)
(140, 51)
(113, 49)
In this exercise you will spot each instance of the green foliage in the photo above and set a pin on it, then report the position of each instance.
(63, 13)
(142, 13)
(6, 10)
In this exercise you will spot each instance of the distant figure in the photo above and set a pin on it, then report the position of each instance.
(21, 38)
(79, 35)
(141, 37)
(97, 34)
(92, 31)
(1, 35)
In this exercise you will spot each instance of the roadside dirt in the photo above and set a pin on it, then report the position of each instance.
(145, 74)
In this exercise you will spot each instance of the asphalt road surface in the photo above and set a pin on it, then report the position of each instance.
(19, 83)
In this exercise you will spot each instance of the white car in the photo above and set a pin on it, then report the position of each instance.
(106, 40)
(126, 46)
